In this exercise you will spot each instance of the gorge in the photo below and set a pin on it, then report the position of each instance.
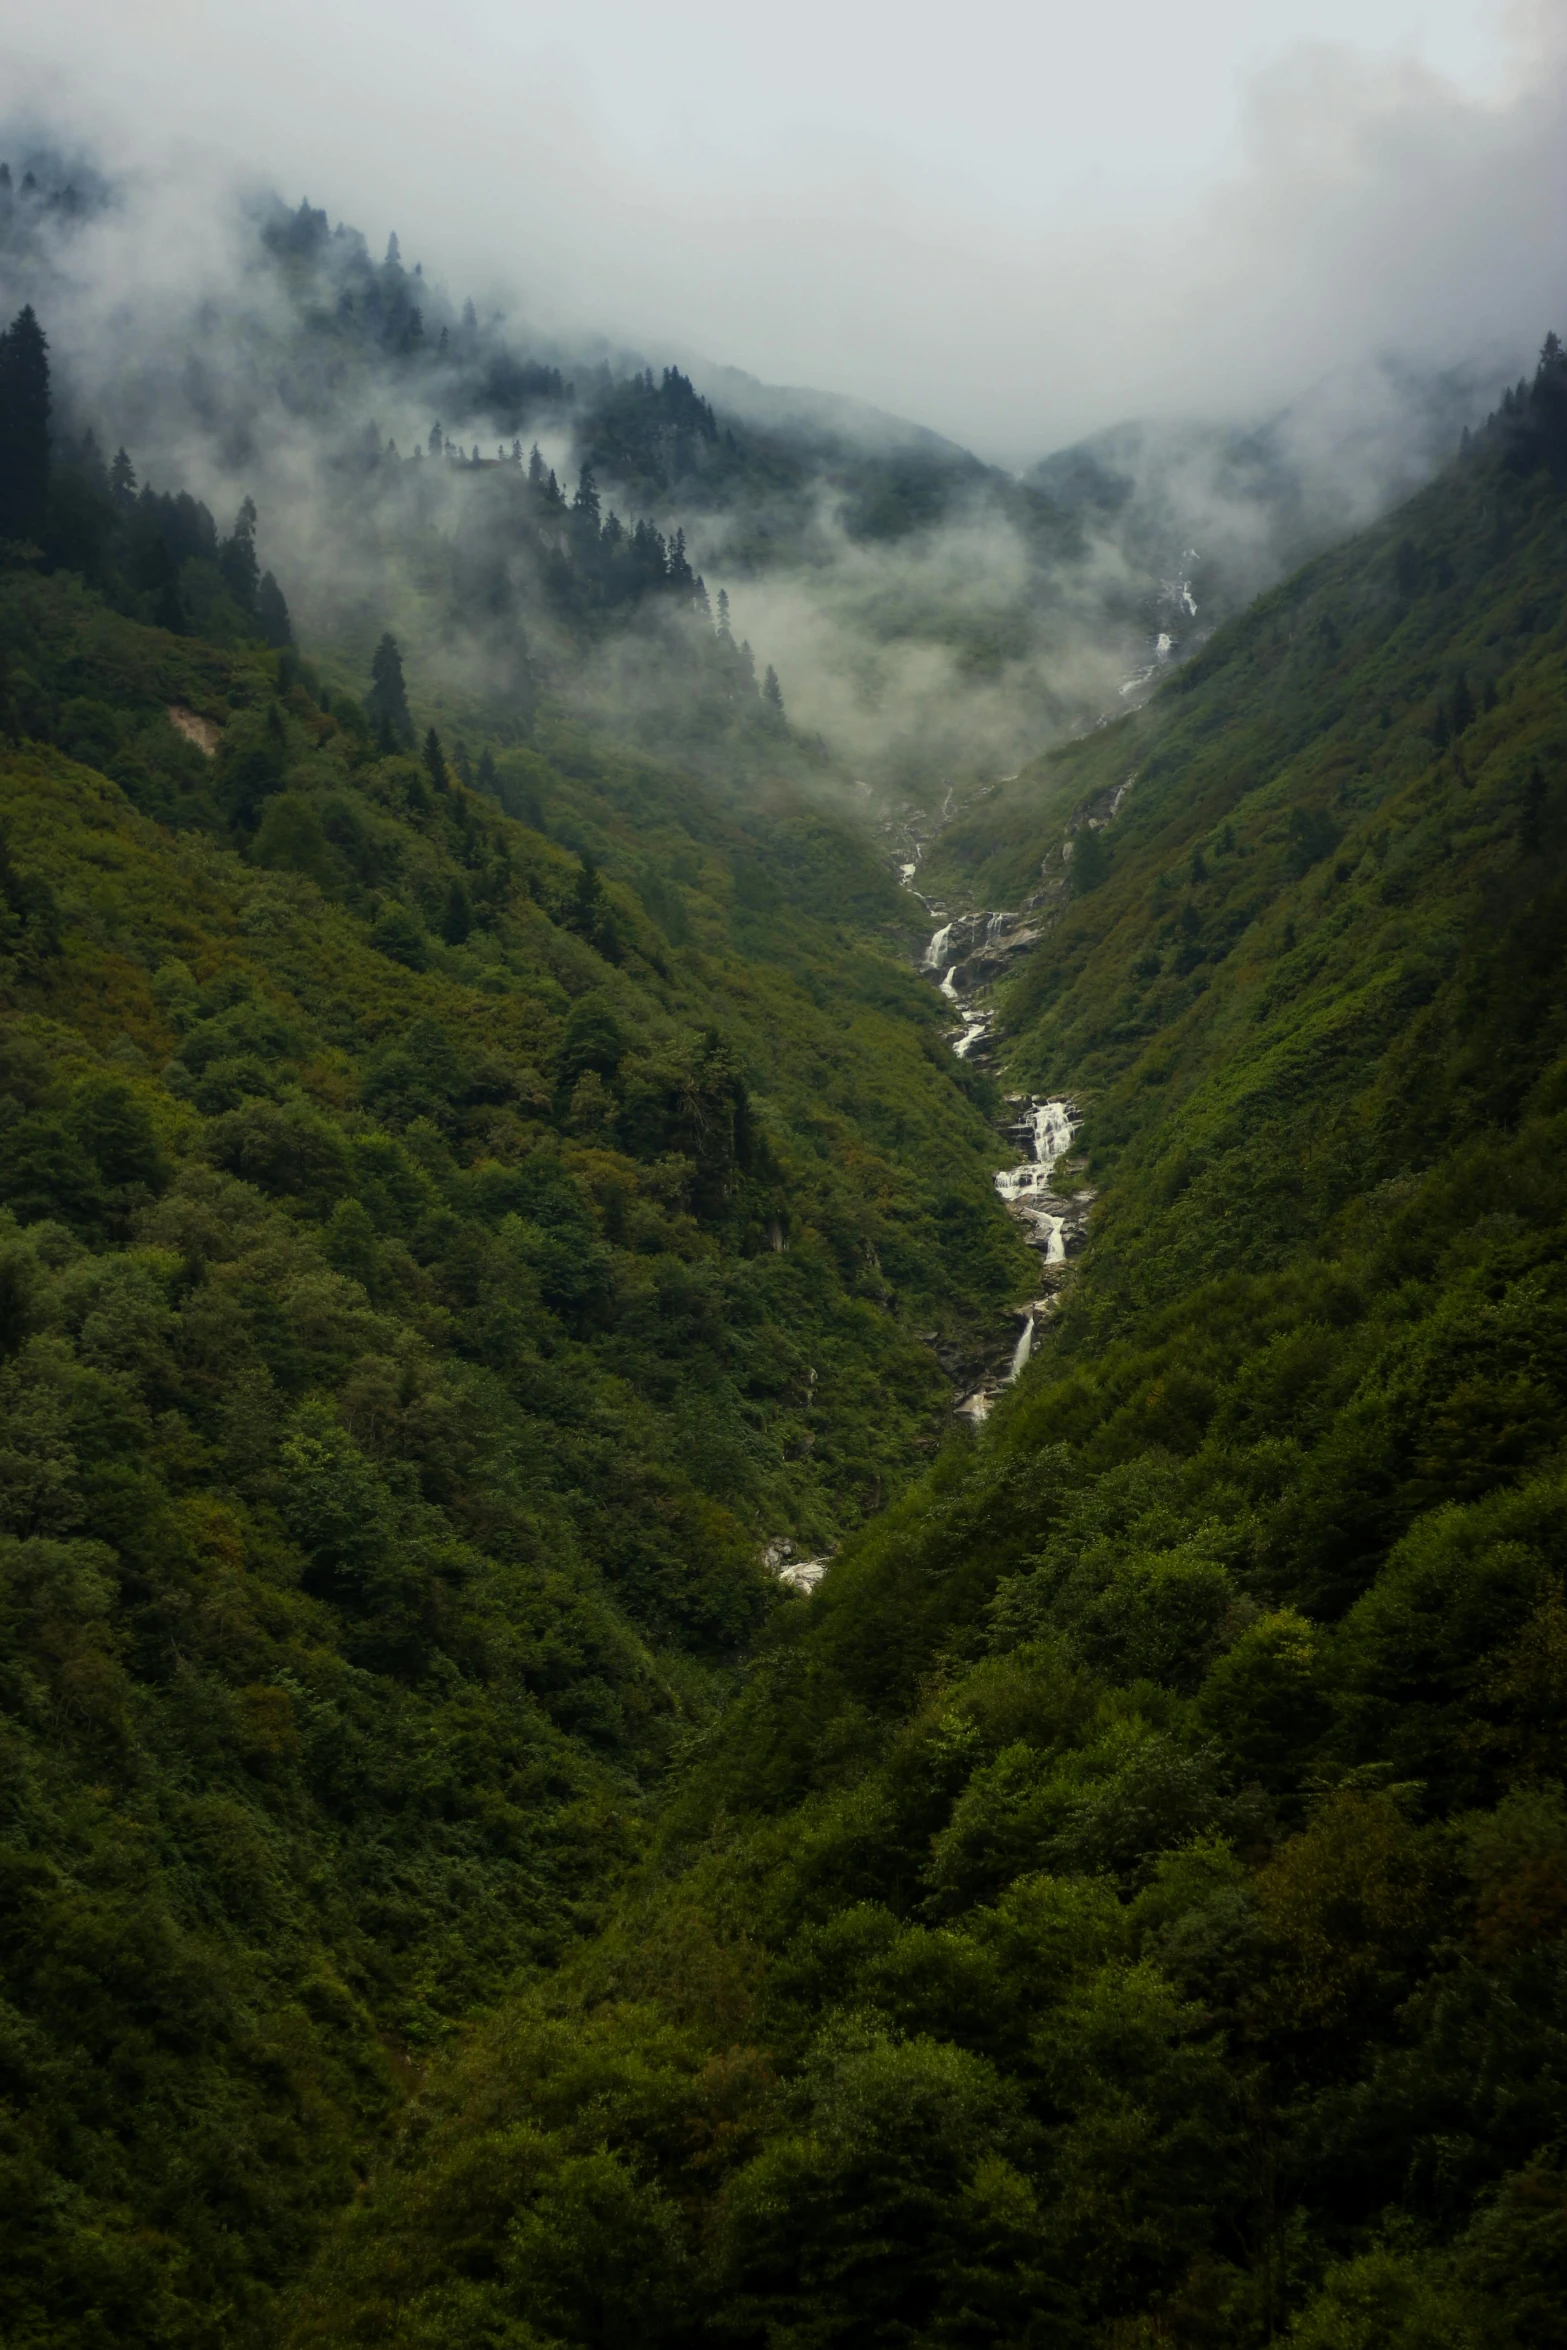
(782, 1555)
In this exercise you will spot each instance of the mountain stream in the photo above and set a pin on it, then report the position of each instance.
(964, 955)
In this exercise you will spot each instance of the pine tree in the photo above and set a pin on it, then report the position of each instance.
(24, 429)
(237, 559)
(122, 479)
(535, 466)
(457, 915)
(272, 612)
(167, 610)
(435, 761)
(772, 692)
(586, 501)
(387, 699)
(724, 635)
(1090, 861)
(488, 782)
(586, 909)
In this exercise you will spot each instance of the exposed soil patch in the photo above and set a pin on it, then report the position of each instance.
(205, 733)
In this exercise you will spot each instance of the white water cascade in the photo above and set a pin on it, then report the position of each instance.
(975, 946)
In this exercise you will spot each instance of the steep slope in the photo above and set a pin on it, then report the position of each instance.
(429, 1271)
(539, 518)
(1128, 1903)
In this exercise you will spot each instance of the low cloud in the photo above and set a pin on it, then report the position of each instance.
(1369, 207)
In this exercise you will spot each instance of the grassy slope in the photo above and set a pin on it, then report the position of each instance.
(397, 1378)
(1129, 1904)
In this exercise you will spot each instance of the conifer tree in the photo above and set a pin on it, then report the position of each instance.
(272, 612)
(772, 692)
(488, 781)
(456, 916)
(586, 501)
(237, 559)
(24, 428)
(167, 610)
(535, 466)
(724, 635)
(387, 699)
(435, 761)
(122, 479)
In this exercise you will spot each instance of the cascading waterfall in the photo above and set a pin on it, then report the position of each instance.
(1045, 1125)
(1052, 1133)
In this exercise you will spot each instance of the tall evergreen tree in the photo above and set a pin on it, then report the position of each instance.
(272, 612)
(586, 501)
(387, 699)
(24, 428)
(237, 559)
(772, 692)
(122, 479)
(435, 761)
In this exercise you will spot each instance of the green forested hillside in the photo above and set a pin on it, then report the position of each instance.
(433, 1262)
(1128, 1904)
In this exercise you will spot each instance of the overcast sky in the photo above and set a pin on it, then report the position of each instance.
(1012, 221)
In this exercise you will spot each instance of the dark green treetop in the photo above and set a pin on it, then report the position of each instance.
(24, 428)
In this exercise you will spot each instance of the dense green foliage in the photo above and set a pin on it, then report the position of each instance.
(433, 1261)
(1129, 1904)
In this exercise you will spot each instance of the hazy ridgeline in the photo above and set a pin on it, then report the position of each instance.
(478, 1167)
(930, 616)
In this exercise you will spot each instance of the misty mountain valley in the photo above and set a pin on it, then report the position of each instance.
(783, 1340)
